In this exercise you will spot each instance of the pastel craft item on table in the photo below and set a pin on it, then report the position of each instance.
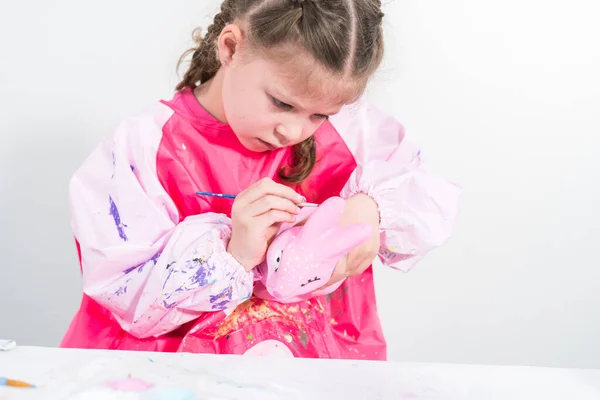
(302, 259)
(130, 385)
(134, 389)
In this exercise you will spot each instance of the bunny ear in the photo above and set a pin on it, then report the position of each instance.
(326, 217)
(305, 213)
(341, 240)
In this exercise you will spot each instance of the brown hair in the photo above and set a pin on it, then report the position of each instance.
(344, 36)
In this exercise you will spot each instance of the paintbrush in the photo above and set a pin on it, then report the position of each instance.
(14, 383)
(231, 196)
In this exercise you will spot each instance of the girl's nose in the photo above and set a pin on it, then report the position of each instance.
(290, 132)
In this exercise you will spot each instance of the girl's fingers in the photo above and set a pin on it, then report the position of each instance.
(274, 217)
(267, 186)
(271, 202)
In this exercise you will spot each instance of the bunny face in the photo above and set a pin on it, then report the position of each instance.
(284, 242)
(301, 259)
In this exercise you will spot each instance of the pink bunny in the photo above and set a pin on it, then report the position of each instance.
(302, 259)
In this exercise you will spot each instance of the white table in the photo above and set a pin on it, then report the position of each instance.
(59, 373)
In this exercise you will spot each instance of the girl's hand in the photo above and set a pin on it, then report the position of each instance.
(256, 215)
(359, 208)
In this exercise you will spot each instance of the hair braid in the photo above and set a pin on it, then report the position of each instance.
(205, 63)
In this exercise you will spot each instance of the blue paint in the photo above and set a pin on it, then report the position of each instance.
(114, 211)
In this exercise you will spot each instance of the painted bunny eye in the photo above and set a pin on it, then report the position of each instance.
(277, 260)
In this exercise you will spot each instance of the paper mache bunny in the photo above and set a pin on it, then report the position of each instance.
(302, 259)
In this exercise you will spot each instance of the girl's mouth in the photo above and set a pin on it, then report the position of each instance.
(268, 145)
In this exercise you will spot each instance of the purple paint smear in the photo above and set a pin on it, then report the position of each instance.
(122, 289)
(114, 211)
(222, 299)
(203, 272)
(168, 306)
(114, 162)
(155, 258)
(128, 270)
(198, 273)
(140, 268)
(171, 271)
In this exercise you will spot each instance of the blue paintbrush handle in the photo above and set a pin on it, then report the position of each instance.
(230, 196)
(225, 196)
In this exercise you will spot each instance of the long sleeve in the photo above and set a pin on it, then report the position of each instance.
(152, 272)
(417, 208)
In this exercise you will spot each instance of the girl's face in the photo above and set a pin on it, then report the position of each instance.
(270, 103)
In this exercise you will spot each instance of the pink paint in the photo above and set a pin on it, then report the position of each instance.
(130, 385)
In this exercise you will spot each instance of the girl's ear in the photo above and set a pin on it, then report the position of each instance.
(228, 44)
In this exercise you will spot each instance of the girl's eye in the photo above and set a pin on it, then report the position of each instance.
(281, 104)
(286, 107)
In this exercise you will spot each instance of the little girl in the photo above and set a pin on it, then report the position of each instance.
(269, 109)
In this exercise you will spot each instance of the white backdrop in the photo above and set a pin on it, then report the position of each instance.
(503, 96)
